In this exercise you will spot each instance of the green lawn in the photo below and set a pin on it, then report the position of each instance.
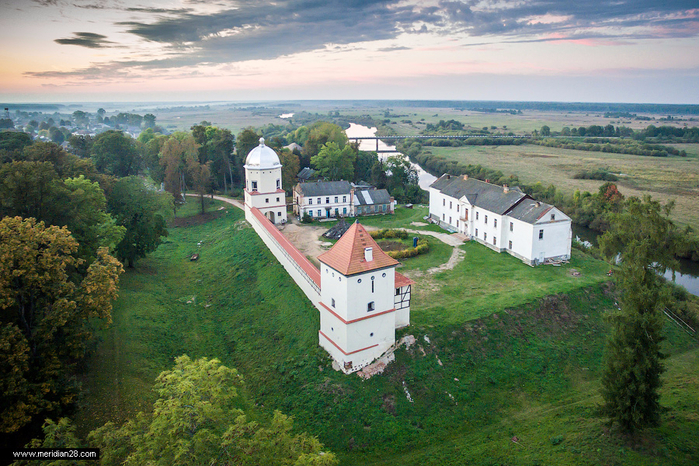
(528, 368)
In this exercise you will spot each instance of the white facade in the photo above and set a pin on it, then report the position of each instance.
(358, 300)
(532, 231)
(263, 183)
(328, 206)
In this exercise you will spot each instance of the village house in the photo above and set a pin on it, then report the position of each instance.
(501, 218)
(332, 199)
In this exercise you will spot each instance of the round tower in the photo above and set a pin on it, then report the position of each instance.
(263, 183)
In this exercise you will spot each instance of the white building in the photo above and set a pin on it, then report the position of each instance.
(263, 183)
(505, 220)
(362, 300)
(332, 199)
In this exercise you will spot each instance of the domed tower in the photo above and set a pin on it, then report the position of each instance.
(263, 183)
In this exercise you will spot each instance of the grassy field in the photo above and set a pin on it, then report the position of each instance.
(664, 178)
(528, 368)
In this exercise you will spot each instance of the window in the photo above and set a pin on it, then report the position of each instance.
(541, 234)
(279, 184)
(370, 307)
(449, 220)
(254, 185)
(511, 226)
(266, 200)
(457, 207)
(450, 204)
(510, 245)
(444, 202)
(277, 199)
(486, 219)
(443, 217)
(310, 213)
(476, 215)
(553, 217)
(485, 236)
(397, 291)
(319, 213)
(383, 275)
(372, 285)
(310, 202)
(344, 198)
(476, 232)
(344, 210)
(384, 207)
(279, 214)
(457, 224)
(336, 199)
(327, 200)
(495, 222)
(333, 302)
(495, 241)
(319, 201)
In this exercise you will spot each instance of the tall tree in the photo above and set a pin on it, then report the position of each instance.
(246, 141)
(197, 420)
(177, 149)
(200, 174)
(46, 312)
(644, 239)
(114, 153)
(320, 133)
(139, 209)
(290, 168)
(334, 163)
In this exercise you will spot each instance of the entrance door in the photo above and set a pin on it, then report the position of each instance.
(337, 212)
(271, 217)
(327, 213)
(541, 257)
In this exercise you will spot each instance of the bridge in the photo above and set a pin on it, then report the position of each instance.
(471, 136)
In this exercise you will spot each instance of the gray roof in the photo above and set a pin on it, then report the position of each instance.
(371, 196)
(325, 188)
(306, 173)
(479, 193)
(529, 210)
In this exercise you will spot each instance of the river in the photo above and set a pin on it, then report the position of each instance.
(358, 131)
(687, 275)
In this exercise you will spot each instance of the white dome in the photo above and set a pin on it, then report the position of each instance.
(262, 157)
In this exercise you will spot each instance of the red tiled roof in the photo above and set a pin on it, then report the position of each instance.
(347, 255)
(402, 280)
(300, 259)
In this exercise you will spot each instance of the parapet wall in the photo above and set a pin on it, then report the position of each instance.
(301, 270)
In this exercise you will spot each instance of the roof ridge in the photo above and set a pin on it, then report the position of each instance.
(347, 256)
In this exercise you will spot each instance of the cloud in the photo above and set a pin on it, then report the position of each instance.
(86, 39)
(393, 49)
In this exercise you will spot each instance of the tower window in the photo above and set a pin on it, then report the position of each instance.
(512, 225)
(541, 234)
(279, 184)
(254, 185)
(372, 286)
(333, 302)
(370, 307)
(266, 200)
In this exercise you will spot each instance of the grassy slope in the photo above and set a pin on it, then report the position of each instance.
(530, 373)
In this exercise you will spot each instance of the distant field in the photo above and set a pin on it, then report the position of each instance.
(518, 386)
(664, 178)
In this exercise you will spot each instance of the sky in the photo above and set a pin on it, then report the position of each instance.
(245, 50)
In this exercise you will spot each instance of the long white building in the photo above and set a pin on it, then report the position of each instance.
(504, 219)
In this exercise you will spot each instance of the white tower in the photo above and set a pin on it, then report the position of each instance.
(263, 183)
(357, 306)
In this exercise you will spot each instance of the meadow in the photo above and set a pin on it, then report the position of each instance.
(494, 379)
(665, 178)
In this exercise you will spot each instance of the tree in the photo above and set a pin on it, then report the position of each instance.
(196, 420)
(81, 145)
(46, 312)
(148, 120)
(177, 149)
(138, 208)
(290, 168)
(319, 135)
(644, 239)
(545, 131)
(114, 153)
(246, 141)
(200, 174)
(334, 163)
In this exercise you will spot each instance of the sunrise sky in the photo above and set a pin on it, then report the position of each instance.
(186, 50)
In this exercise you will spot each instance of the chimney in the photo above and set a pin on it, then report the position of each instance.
(465, 177)
(538, 204)
(448, 176)
(505, 188)
(368, 254)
